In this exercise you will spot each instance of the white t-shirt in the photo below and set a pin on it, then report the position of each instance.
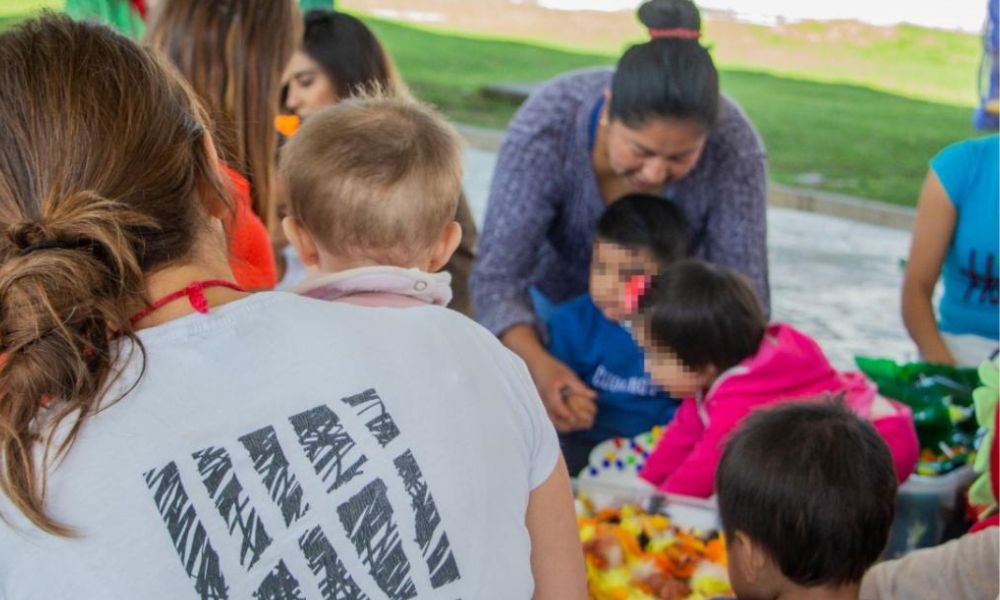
(295, 271)
(283, 447)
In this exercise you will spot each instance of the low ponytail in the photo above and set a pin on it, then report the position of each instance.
(67, 285)
(671, 76)
(105, 170)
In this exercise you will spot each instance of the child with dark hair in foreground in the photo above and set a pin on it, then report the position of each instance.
(806, 497)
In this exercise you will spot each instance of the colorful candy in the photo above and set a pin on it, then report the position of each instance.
(635, 555)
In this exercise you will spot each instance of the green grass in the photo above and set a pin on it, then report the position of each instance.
(862, 114)
(449, 70)
(20, 7)
(860, 141)
(12, 11)
(910, 61)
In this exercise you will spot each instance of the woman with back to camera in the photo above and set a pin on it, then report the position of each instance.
(657, 124)
(165, 435)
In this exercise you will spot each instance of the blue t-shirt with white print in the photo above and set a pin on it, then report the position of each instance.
(969, 172)
(603, 355)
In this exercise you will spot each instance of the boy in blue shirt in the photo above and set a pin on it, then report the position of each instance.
(636, 237)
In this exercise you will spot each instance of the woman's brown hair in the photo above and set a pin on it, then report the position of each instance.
(104, 172)
(233, 54)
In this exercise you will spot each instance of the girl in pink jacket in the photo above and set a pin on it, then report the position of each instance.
(707, 340)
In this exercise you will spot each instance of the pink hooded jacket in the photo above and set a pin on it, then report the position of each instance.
(788, 366)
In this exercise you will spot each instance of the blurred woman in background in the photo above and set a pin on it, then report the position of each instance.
(232, 54)
(339, 58)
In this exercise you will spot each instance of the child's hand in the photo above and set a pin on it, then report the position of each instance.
(584, 409)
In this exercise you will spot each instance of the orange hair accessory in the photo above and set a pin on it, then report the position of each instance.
(287, 125)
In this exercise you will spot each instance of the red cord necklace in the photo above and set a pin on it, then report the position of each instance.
(195, 293)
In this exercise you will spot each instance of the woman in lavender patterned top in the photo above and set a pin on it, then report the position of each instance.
(656, 124)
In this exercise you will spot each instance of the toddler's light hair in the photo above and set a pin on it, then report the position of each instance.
(374, 178)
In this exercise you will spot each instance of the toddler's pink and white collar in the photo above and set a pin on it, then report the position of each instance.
(379, 286)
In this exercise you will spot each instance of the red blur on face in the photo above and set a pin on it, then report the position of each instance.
(611, 269)
(659, 152)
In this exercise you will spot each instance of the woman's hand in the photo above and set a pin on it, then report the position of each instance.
(570, 403)
(584, 408)
(933, 230)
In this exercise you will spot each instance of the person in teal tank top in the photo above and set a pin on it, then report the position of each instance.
(956, 239)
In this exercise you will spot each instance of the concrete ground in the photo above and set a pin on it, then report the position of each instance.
(835, 279)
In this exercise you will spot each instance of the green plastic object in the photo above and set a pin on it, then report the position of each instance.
(117, 13)
(986, 398)
(940, 397)
(307, 5)
(120, 14)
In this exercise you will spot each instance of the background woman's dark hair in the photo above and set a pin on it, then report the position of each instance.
(671, 78)
(704, 313)
(814, 486)
(642, 221)
(104, 169)
(350, 55)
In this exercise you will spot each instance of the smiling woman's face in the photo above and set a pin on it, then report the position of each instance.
(308, 89)
(659, 152)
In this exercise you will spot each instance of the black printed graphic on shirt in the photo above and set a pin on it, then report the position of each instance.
(328, 446)
(368, 520)
(380, 424)
(982, 286)
(224, 488)
(187, 532)
(279, 585)
(440, 561)
(335, 582)
(365, 525)
(270, 462)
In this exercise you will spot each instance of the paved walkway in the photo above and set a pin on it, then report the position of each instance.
(837, 280)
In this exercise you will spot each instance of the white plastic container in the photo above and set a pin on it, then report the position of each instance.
(688, 512)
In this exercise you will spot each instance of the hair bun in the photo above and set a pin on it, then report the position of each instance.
(318, 16)
(670, 14)
(27, 233)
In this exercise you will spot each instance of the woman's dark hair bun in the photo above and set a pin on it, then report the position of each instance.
(671, 75)
(670, 14)
(317, 16)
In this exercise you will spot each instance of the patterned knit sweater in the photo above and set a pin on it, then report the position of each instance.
(544, 202)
